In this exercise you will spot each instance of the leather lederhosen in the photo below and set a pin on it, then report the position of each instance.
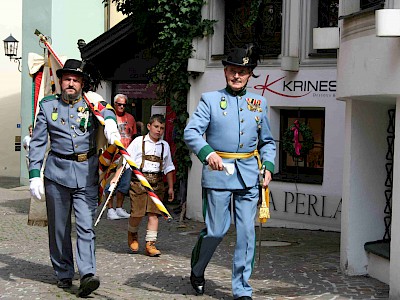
(140, 201)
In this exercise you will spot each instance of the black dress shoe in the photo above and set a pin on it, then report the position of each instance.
(64, 283)
(89, 283)
(197, 283)
(244, 298)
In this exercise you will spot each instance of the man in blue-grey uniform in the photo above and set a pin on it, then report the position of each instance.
(70, 174)
(238, 142)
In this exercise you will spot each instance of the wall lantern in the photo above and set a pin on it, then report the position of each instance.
(10, 50)
(326, 38)
(387, 22)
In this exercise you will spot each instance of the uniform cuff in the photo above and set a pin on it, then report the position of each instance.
(204, 152)
(269, 166)
(111, 117)
(34, 173)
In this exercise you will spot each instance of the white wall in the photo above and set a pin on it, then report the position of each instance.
(368, 65)
(363, 182)
(10, 91)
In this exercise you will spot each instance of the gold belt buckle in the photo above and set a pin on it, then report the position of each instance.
(82, 157)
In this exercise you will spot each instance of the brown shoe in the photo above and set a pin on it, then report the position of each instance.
(151, 249)
(133, 241)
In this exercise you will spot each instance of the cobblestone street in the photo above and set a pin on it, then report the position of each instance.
(306, 268)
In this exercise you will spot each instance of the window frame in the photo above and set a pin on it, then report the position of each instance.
(300, 174)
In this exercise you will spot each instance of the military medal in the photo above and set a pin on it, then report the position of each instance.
(54, 114)
(258, 121)
(254, 105)
(83, 118)
(223, 104)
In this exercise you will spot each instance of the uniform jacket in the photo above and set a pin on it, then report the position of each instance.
(59, 122)
(236, 124)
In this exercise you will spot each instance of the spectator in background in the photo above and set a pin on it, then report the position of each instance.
(140, 128)
(127, 129)
(25, 143)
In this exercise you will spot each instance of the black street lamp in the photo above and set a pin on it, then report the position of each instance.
(11, 48)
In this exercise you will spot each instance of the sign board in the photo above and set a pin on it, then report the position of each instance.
(137, 90)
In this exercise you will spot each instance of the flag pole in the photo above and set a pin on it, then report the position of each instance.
(118, 143)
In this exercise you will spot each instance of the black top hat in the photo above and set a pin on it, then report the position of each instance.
(244, 57)
(71, 66)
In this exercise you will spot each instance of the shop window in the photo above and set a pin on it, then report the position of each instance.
(308, 168)
(266, 31)
(328, 16)
(371, 4)
(328, 13)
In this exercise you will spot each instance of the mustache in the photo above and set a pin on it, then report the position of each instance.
(72, 96)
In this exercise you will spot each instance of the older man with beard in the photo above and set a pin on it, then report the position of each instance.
(70, 175)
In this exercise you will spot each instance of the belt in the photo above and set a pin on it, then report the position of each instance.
(234, 155)
(76, 156)
(152, 177)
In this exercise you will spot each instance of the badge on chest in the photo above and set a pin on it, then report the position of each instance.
(254, 104)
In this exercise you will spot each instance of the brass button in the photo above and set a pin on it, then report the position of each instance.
(241, 146)
(74, 135)
(71, 116)
(72, 106)
(76, 146)
(241, 109)
(241, 133)
(240, 97)
(242, 120)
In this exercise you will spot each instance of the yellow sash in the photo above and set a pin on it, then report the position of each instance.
(233, 155)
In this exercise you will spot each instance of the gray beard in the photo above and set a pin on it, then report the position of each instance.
(69, 97)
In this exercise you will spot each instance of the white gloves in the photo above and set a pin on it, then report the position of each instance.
(36, 188)
(111, 131)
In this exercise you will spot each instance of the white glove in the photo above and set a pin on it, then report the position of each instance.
(111, 131)
(114, 137)
(36, 188)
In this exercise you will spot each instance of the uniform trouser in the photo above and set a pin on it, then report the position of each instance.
(60, 200)
(216, 210)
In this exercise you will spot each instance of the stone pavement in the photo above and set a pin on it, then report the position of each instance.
(306, 268)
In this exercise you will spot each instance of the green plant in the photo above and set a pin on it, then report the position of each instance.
(168, 29)
(307, 142)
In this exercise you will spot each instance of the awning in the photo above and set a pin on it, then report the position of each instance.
(115, 53)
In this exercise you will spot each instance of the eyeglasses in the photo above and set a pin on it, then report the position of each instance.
(120, 104)
(239, 72)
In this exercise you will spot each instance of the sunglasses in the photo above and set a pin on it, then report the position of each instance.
(120, 104)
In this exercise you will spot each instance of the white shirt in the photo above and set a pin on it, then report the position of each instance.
(151, 148)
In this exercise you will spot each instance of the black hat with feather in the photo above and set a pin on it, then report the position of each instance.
(244, 57)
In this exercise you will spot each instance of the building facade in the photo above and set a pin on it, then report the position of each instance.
(10, 93)
(367, 82)
(299, 83)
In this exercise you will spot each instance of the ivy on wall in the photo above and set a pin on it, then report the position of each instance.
(168, 29)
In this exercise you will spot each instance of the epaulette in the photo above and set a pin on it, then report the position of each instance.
(50, 98)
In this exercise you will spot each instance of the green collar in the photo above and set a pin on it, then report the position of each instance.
(235, 93)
